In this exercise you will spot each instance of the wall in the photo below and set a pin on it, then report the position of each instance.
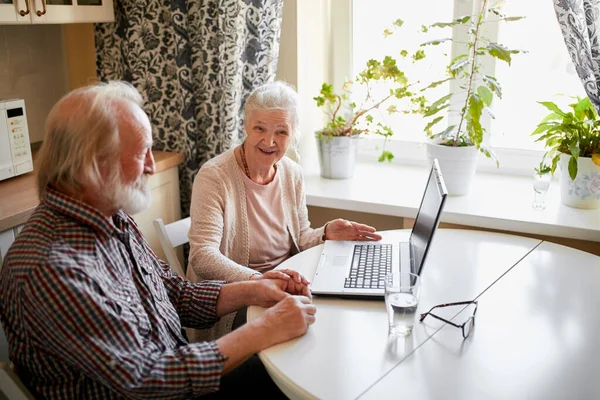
(32, 67)
(80, 53)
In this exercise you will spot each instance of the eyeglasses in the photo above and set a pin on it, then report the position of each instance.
(466, 327)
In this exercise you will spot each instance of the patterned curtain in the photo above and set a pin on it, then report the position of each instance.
(579, 22)
(195, 62)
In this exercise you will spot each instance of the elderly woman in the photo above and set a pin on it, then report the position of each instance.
(248, 204)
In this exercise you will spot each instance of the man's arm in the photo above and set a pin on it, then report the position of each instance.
(72, 316)
(286, 320)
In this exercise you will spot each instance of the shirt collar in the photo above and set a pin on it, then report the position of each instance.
(85, 213)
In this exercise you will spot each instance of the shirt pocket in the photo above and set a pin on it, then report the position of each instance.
(131, 309)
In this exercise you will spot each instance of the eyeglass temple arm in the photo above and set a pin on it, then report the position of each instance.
(439, 318)
(458, 303)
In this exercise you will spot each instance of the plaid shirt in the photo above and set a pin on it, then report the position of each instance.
(90, 312)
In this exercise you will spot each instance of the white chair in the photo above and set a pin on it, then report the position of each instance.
(11, 386)
(171, 236)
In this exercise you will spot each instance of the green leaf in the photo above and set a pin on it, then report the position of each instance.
(445, 132)
(398, 23)
(432, 123)
(485, 94)
(419, 55)
(435, 84)
(541, 128)
(435, 42)
(499, 51)
(552, 117)
(493, 85)
(438, 105)
(496, 12)
(574, 149)
(386, 156)
(552, 107)
(475, 109)
(458, 21)
(510, 19)
(573, 168)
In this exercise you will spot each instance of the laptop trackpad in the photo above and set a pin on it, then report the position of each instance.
(335, 261)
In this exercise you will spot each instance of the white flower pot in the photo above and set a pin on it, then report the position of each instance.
(458, 165)
(584, 191)
(337, 156)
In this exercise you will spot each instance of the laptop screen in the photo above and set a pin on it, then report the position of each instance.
(427, 218)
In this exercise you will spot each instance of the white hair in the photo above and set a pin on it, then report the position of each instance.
(276, 95)
(81, 134)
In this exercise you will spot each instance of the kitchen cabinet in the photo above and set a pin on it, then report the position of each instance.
(164, 187)
(18, 200)
(55, 11)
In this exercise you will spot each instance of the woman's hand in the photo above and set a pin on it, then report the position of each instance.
(341, 229)
(268, 292)
(283, 274)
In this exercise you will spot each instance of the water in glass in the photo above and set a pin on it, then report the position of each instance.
(401, 301)
(541, 184)
(402, 309)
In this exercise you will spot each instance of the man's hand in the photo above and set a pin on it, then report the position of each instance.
(267, 292)
(288, 319)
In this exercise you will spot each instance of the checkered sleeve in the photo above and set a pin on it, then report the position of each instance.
(195, 302)
(72, 318)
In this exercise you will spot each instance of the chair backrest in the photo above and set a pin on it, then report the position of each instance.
(171, 236)
(11, 386)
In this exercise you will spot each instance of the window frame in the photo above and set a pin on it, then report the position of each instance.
(512, 161)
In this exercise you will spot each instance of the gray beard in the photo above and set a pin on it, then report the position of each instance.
(133, 198)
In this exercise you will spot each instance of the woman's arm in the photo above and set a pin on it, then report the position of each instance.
(207, 210)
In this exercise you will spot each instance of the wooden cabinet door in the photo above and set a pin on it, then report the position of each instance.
(72, 11)
(11, 10)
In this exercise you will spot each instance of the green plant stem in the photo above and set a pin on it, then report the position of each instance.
(473, 63)
(363, 112)
(338, 107)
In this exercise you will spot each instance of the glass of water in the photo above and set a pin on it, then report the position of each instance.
(541, 184)
(401, 300)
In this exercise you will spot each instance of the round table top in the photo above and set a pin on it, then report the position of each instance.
(347, 352)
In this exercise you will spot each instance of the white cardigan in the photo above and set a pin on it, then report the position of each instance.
(219, 239)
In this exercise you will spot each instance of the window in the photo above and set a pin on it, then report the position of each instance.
(545, 71)
(541, 75)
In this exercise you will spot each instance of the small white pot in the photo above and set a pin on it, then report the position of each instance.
(337, 156)
(584, 191)
(458, 165)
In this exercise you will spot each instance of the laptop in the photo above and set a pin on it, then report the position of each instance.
(357, 269)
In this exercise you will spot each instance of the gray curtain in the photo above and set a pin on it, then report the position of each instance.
(579, 22)
(195, 62)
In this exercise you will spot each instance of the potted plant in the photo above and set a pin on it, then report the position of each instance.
(457, 145)
(573, 142)
(347, 119)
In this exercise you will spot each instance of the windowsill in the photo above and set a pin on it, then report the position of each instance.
(496, 201)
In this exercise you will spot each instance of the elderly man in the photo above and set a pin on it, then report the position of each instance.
(88, 309)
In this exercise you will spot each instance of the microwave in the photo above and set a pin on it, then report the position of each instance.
(15, 149)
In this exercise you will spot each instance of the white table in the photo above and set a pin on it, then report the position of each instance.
(536, 325)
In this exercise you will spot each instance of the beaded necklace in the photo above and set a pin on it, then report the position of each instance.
(243, 154)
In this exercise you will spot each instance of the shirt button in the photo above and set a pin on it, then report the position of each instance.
(128, 299)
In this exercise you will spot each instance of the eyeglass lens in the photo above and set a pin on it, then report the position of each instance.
(468, 327)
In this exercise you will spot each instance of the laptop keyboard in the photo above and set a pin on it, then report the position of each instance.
(370, 263)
